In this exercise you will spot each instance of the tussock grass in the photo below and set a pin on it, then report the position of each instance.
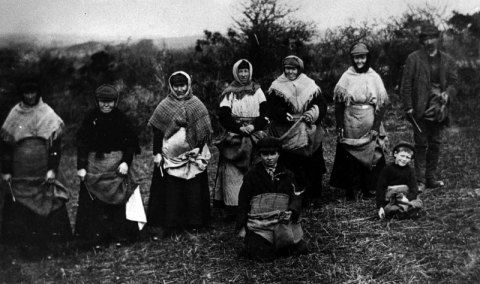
(349, 243)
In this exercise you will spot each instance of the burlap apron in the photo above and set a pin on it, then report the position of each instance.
(300, 138)
(28, 185)
(238, 149)
(266, 214)
(357, 140)
(237, 153)
(103, 180)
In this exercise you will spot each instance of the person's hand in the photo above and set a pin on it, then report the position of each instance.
(286, 216)
(444, 97)
(339, 133)
(242, 233)
(81, 173)
(248, 129)
(289, 117)
(50, 176)
(7, 177)
(157, 159)
(307, 119)
(123, 168)
(381, 213)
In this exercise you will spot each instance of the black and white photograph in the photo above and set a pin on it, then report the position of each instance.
(239, 141)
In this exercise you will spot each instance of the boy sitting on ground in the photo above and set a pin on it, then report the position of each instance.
(269, 207)
(397, 189)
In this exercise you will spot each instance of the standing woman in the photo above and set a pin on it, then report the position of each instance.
(242, 113)
(34, 213)
(179, 194)
(296, 109)
(360, 98)
(106, 144)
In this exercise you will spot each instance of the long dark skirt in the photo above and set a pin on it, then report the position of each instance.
(98, 222)
(350, 174)
(308, 171)
(23, 227)
(178, 203)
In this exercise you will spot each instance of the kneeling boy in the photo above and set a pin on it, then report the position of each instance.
(269, 207)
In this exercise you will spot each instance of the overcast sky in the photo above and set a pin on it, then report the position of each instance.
(171, 18)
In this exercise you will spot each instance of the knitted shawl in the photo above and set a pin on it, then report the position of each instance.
(37, 121)
(174, 112)
(297, 93)
(361, 88)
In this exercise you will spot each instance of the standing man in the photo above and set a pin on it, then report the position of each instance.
(428, 84)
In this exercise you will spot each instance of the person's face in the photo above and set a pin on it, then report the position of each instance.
(106, 106)
(180, 90)
(244, 75)
(291, 72)
(360, 60)
(431, 44)
(402, 158)
(30, 98)
(269, 158)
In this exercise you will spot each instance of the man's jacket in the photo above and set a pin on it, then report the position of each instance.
(416, 87)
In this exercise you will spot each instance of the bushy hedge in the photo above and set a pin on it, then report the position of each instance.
(69, 76)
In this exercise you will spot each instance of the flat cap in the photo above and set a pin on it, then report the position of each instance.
(359, 48)
(269, 144)
(404, 144)
(106, 92)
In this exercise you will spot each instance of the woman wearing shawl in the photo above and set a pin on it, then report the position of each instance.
(297, 107)
(242, 113)
(34, 212)
(360, 99)
(179, 195)
(106, 144)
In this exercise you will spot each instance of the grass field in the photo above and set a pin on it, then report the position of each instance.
(349, 243)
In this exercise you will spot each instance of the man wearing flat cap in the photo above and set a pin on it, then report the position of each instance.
(428, 85)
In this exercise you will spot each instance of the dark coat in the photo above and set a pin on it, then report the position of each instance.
(416, 86)
(257, 181)
(104, 133)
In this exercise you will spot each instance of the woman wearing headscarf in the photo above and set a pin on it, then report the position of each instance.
(296, 109)
(34, 212)
(242, 114)
(106, 145)
(179, 194)
(360, 98)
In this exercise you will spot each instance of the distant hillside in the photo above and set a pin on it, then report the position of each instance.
(89, 42)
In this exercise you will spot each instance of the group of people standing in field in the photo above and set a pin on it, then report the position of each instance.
(271, 155)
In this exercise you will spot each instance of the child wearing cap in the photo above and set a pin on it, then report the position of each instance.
(397, 189)
(269, 207)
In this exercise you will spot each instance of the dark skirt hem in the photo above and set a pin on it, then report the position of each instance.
(98, 222)
(22, 226)
(350, 174)
(178, 203)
